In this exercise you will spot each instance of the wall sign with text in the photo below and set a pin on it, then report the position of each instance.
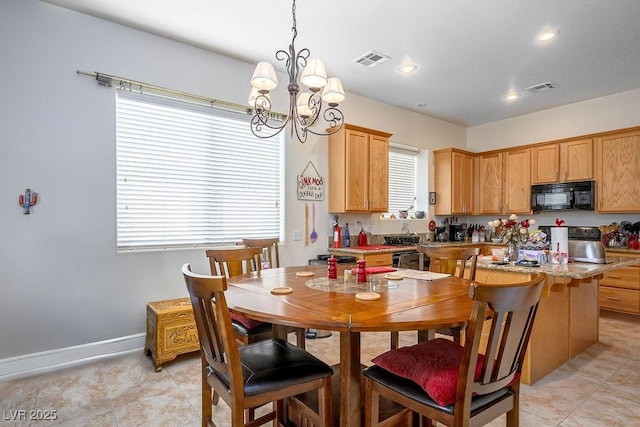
(311, 186)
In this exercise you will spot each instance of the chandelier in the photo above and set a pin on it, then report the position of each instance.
(306, 107)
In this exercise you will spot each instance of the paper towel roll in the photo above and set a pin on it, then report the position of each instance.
(559, 239)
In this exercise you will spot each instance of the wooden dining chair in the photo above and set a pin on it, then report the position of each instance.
(269, 248)
(451, 260)
(235, 262)
(250, 376)
(459, 385)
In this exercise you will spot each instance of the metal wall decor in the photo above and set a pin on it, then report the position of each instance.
(305, 108)
(27, 200)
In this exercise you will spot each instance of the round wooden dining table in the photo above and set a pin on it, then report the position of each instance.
(407, 304)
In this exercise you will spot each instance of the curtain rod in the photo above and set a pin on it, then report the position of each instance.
(107, 80)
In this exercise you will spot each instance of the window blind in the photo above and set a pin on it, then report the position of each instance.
(402, 178)
(191, 176)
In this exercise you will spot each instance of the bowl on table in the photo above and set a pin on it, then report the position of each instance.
(496, 240)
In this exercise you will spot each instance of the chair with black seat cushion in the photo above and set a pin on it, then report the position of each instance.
(250, 376)
(234, 262)
(450, 260)
(459, 385)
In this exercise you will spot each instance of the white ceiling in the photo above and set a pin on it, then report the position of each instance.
(470, 53)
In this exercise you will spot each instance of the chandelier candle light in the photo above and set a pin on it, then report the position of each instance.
(305, 108)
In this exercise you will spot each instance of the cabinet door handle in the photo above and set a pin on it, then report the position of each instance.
(614, 298)
(613, 276)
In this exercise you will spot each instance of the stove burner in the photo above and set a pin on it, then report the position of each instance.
(401, 240)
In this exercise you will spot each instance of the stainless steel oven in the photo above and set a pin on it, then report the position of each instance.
(409, 258)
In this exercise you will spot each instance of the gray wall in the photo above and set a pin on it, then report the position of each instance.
(62, 282)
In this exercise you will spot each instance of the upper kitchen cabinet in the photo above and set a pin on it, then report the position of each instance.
(504, 182)
(562, 162)
(617, 172)
(517, 181)
(490, 183)
(453, 181)
(358, 170)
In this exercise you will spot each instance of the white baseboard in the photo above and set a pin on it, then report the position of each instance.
(51, 360)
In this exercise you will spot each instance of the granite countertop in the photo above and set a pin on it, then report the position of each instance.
(622, 250)
(370, 249)
(572, 270)
(381, 248)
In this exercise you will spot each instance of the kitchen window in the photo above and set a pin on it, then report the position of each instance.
(190, 176)
(402, 178)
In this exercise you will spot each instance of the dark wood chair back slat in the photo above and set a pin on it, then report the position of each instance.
(452, 260)
(270, 246)
(259, 374)
(234, 262)
(510, 311)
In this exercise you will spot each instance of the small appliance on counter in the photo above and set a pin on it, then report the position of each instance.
(442, 234)
(457, 232)
(584, 244)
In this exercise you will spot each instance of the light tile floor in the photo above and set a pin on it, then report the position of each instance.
(600, 387)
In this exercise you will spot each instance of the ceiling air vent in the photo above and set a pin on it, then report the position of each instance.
(541, 87)
(372, 58)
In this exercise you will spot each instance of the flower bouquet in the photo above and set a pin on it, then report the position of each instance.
(512, 230)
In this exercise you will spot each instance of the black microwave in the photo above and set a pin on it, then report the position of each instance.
(563, 196)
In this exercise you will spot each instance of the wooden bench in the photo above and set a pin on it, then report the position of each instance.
(171, 330)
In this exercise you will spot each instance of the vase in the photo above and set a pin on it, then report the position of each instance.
(512, 250)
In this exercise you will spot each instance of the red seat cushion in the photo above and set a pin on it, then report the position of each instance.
(433, 365)
(248, 323)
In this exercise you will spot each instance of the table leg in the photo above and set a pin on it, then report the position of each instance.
(426, 335)
(280, 331)
(350, 376)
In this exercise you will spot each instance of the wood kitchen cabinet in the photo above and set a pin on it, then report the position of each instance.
(620, 289)
(490, 183)
(372, 258)
(358, 170)
(562, 162)
(453, 181)
(618, 172)
(517, 181)
(504, 182)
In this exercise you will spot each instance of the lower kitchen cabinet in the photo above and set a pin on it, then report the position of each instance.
(620, 289)
(377, 259)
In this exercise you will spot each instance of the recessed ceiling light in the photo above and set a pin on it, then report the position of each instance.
(546, 35)
(512, 96)
(408, 68)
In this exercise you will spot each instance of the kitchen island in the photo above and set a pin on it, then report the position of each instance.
(567, 321)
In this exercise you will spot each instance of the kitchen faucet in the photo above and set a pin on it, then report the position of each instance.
(405, 227)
